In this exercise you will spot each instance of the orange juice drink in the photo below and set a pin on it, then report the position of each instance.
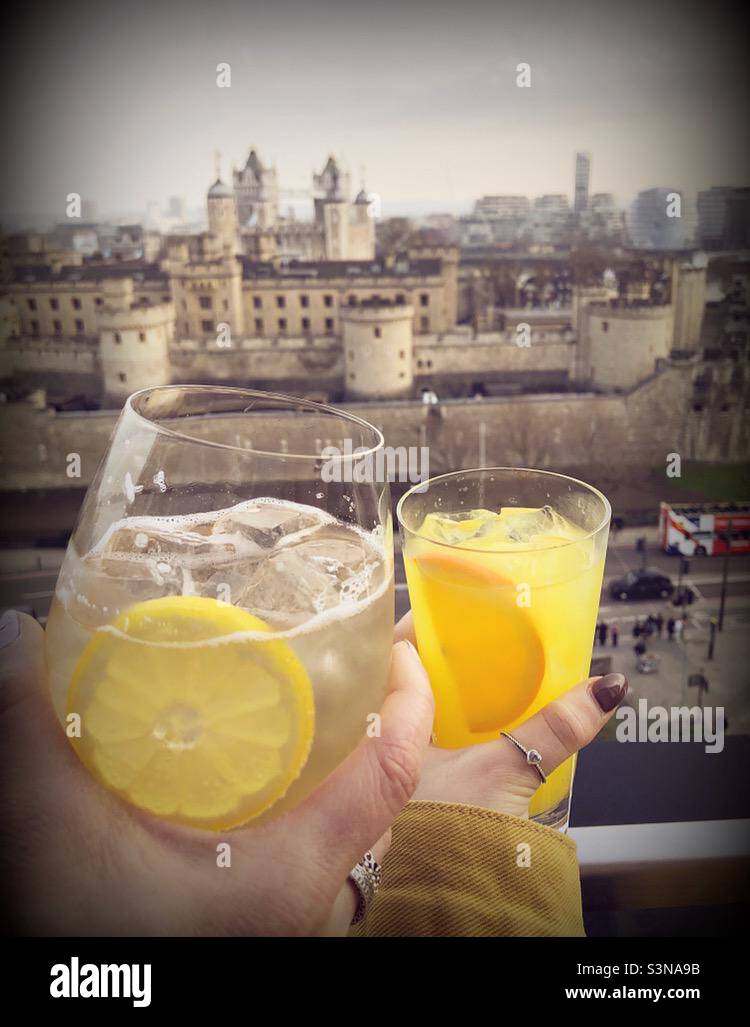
(504, 568)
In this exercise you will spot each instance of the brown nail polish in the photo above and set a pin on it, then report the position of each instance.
(609, 691)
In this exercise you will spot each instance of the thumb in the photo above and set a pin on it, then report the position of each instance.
(358, 802)
(35, 781)
(40, 774)
(27, 719)
(567, 724)
(22, 668)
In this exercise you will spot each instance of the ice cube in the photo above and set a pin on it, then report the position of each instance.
(150, 556)
(523, 524)
(265, 524)
(332, 567)
(512, 526)
(459, 527)
(94, 596)
(159, 541)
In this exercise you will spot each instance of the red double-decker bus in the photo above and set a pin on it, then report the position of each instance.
(701, 529)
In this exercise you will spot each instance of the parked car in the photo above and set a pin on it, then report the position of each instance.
(644, 584)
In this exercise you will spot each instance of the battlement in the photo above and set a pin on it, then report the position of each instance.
(630, 309)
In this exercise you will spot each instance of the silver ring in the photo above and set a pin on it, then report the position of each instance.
(533, 756)
(365, 877)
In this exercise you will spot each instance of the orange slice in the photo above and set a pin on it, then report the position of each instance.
(490, 644)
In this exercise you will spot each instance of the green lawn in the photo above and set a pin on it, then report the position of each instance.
(721, 483)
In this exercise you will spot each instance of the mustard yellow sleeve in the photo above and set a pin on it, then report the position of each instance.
(463, 870)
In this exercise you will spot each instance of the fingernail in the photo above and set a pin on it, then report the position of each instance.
(10, 628)
(609, 691)
(411, 646)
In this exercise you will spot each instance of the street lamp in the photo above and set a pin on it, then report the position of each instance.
(725, 574)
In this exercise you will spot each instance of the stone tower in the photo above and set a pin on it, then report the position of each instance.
(361, 228)
(222, 216)
(689, 302)
(134, 340)
(377, 343)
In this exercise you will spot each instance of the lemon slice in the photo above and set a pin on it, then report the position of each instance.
(185, 716)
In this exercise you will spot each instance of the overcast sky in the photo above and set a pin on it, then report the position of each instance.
(120, 102)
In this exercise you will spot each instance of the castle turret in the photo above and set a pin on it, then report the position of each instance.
(583, 297)
(624, 342)
(689, 302)
(134, 340)
(222, 216)
(361, 244)
(377, 342)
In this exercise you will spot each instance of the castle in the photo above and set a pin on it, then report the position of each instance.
(308, 308)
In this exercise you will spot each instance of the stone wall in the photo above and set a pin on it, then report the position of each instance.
(635, 429)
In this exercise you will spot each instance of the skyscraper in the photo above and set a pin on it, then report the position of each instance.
(583, 173)
(177, 208)
(724, 218)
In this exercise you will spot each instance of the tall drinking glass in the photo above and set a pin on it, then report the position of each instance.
(504, 567)
(222, 624)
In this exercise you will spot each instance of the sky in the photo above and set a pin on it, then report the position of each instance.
(120, 103)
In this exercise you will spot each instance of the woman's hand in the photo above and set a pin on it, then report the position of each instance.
(76, 860)
(495, 774)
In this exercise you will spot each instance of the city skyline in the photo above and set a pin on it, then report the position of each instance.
(122, 106)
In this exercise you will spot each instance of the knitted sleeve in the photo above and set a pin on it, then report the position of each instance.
(462, 870)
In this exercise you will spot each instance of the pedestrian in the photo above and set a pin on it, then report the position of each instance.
(659, 624)
(639, 648)
(614, 633)
(603, 630)
(678, 626)
(670, 629)
(637, 628)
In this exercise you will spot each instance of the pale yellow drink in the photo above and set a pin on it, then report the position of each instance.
(505, 604)
(270, 622)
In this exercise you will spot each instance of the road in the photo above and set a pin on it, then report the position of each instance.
(32, 590)
(704, 577)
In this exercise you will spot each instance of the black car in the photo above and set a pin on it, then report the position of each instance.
(642, 585)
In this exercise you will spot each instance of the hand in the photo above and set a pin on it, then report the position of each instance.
(495, 775)
(79, 861)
